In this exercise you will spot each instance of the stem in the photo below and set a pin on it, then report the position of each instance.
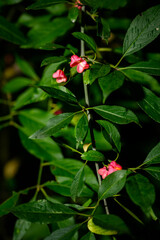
(38, 181)
(89, 115)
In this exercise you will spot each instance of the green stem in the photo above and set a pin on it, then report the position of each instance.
(38, 181)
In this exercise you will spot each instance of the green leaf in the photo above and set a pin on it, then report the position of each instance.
(87, 39)
(88, 236)
(93, 155)
(98, 71)
(53, 125)
(111, 223)
(20, 229)
(154, 156)
(73, 14)
(81, 128)
(109, 4)
(151, 67)
(9, 32)
(103, 29)
(6, 206)
(43, 211)
(143, 30)
(61, 93)
(62, 188)
(77, 184)
(64, 233)
(41, 4)
(142, 78)
(51, 60)
(112, 132)
(86, 78)
(141, 191)
(116, 114)
(112, 184)
(99, 230)
(153, 171)
(51, 46)
(110, 83)
(9, 2)
(16, 84)
(150, 104)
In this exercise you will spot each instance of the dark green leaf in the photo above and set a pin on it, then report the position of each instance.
(81, 128)
(63, 233)
(88, 236)
(111, 222)
(51, 46)
(51, 60)
(41, 4)
(151, 105)
(9, 2)
(6, 206)
(16, 84)
(109, 4)
(112, 184)
(93, 155)
(143, 30)
(73, 14)
(43, 211)
(20, 229)
(154, 156)
(53, 125)
(141, 191)
(103, 29)
(87, 39)
(9, 32)
(86, 78)
(61, 93)
(154, 171)
(110, 83)
(116, 114)
(77, 184)
(98, 71)
(112, 132)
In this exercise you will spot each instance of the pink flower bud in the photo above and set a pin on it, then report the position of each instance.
(78, 4)
(112, 167)
(60, 76)
(103, 172)
(79, 62)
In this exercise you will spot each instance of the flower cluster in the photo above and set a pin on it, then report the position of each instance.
(75, 61)
(78, 4)
(112, 167)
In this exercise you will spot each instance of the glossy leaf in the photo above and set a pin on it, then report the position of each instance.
(88, 236)
(53, 125)
(64, 233)
(153, 171)
(112, 133)
(16, 84)
(116, 114)
(98, 71)
(87, 39)
(151, 105)
(99, 230)
(51, 60)
(9, 32)
(93, 155)
(6, 206)
(81, 128)
(112, 184)
(154, 156)
(111, 223)
(73, 14)
(77, 184)
(61, 93)
(110, 83)
(43, 211)
(143, 30)
(41, 4)
(20, 229)
(141, 191)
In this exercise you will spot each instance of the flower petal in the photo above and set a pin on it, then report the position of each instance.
(75, 60)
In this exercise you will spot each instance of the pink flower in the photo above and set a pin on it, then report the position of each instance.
(78, 4)
(79, 62)
(58, 112)
(60, 76)
(112, 167)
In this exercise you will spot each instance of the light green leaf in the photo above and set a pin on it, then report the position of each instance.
(93, 155)
(81, 128)
(143, 30)
(20, 229)
(43, 211)
(110, 83)
(51, 60)
(53, 125)
(77, 184)
(112, 133)
(73, 14)
(154, 156)
(41, 4)
(141, 192)
(6, 206)
(98, 71)
(87, 39)
(99, 230)
(153, 171)
(116, 114)
(16, 84)
(9, 32)
(150, 104)
(112, 184)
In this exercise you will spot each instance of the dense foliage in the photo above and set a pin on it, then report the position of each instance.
(80, 92)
